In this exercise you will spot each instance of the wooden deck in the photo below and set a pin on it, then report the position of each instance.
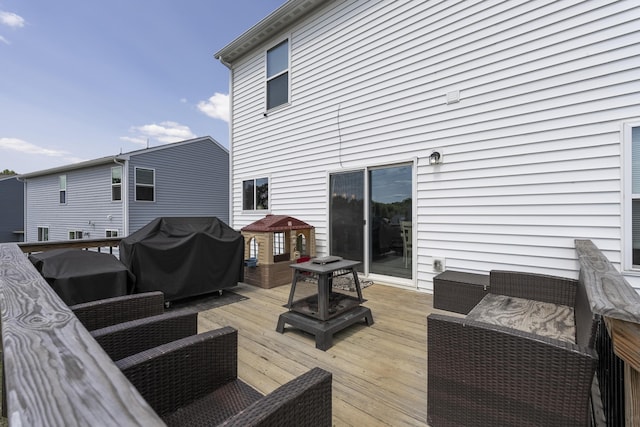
(379, 372)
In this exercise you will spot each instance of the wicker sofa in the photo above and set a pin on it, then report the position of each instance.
(483, 370)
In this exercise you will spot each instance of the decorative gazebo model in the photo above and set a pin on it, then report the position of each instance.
(271, 244)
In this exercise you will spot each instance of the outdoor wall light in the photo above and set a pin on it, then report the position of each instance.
(435, 157)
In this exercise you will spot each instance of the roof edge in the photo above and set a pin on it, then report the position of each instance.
(285, 16)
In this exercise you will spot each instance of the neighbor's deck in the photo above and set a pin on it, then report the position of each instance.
(379, 372)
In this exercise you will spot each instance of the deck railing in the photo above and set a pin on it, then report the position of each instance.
(55, 373)
(618, 303)
(98, 244)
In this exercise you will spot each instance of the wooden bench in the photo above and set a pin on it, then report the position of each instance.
(56, 374)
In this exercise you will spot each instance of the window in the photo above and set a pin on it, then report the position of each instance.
(116, 183)
(632, 154)
(145, 184)
(278, 75)
(111, 233)
(75, 235)
(43, 234)
(255, 194)
(62, 179)
(253, 248)
(301, 244)
(278, 243)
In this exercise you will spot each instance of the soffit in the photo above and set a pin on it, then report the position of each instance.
(282, 18)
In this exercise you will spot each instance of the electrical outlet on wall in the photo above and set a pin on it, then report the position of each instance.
(438, 264)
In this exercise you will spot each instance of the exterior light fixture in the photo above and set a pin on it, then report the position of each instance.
(435, 157)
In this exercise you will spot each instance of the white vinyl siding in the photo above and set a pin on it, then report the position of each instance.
(532, 151)
(90, 210)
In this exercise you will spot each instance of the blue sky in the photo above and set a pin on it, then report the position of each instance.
(82, 79)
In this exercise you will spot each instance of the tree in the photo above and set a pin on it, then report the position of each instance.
(8, 172)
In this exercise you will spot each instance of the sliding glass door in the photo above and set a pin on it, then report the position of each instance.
(390, 227)
(346, 215)
(378, 225)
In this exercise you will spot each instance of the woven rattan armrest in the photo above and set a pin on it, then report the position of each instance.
(128, 338)
(110, 311)
(480, 374)
(539, 287)
(303, 401)
(175, 374)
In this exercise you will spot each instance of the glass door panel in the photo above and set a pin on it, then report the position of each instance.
(391, 231)
(346, 215)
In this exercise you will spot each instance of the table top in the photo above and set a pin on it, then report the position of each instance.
(325, 268)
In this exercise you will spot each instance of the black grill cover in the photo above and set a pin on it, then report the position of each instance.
(184, 256)
(79, 276)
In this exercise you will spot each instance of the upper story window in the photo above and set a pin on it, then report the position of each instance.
(255, 194)
(62, 180)
(278, 75)
(632, 193)
(111, 233)
(43, 234)
(116, 183)
(145, 185)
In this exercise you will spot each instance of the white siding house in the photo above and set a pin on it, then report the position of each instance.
(531, 104)
(116, 195)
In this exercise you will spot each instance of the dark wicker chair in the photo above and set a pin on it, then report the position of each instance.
(131, 324)
(193, 382)
(111, 311)
(481, 374)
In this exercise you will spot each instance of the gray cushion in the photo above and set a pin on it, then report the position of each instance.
(540, 318)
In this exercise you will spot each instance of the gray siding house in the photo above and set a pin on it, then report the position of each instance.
(12, 211)
(116, 195)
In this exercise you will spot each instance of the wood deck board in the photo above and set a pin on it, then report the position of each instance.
(379, 372)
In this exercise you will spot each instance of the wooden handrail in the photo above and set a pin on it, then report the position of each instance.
(612, 297)
(55, 373)
(65, 244)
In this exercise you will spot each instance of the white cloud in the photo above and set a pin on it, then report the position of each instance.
(15, 144)
(11, 19)
(3, 40)
(164, 132)
(216, 107)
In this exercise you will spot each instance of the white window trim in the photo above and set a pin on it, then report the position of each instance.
(254, 179)
(60, 189)
(120, 184)
(135, 184)
(266, 78)
(38, 227)
(111, 230)
(627, 196)
(75, 232)
(279, 243)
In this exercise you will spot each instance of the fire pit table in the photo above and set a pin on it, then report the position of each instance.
(326, 312)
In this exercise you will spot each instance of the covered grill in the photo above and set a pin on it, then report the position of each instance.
(184, 256)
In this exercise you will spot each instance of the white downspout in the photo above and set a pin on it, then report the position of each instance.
(124, 196)
(228, 65)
